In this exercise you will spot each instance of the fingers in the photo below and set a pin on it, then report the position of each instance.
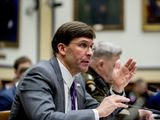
(118, 64)
(133, 69)
(131, 64)
(122, 105)
(119, 98)
(131, 73)
(128, 62)
(119, 101)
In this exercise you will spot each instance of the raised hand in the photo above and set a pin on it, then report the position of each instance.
(122, 74)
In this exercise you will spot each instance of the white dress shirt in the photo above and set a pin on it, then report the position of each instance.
(68, 80)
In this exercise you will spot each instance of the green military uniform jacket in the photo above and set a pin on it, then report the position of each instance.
(98, 89)
(95, 85)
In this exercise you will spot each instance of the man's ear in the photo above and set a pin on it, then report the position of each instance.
(100, 64)
(62, 48)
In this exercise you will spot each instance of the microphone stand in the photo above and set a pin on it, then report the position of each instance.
(156, 113)
(153, 110)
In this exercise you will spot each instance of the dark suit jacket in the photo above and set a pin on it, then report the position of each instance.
(154, 101)
(101, 89)
(6, 98)
(40, 95)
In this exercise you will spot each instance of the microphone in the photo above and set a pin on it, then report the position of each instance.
(138, 107)
(156, 116)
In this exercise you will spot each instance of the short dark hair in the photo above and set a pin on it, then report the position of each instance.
(70, 30)
(21, 60)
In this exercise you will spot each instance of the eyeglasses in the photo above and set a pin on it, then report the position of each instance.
(85, 46)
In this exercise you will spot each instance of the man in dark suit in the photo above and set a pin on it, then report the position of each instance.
(55, 90)
(7, 95)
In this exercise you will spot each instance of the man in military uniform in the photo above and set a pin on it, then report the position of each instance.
(99, 81)
(98, 77)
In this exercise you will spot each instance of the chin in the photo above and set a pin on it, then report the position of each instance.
(84, 69)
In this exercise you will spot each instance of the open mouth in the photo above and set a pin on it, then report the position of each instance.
(86, 63)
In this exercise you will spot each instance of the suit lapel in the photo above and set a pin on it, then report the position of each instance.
(80, 95)
(60, 83)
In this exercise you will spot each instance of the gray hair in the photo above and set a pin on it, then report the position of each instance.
(106, 49)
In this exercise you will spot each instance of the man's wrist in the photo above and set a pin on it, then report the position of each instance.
(117, 90)
(112, 91)
(118, 93)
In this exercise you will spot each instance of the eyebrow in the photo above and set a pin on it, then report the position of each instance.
(87, 41)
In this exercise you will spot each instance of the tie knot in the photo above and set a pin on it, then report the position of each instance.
(73, 89)
(72, 86)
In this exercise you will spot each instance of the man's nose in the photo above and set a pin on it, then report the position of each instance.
(90, 51)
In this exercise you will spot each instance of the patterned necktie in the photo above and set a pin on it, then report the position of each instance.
(73, 96)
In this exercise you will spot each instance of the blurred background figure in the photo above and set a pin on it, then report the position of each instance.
(4, 84)
(154, 101)
(20, 66)
(7, 96)
(140, 93)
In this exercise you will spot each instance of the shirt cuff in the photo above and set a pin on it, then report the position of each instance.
(96, 114)
(113, 93)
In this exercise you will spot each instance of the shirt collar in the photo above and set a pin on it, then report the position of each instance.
(67, 77)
